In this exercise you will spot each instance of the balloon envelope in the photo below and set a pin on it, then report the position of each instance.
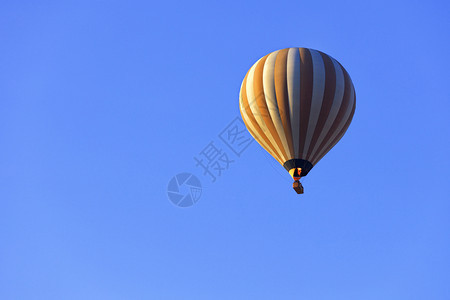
(297, 103)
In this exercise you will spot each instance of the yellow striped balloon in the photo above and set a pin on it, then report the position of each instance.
(297, 103)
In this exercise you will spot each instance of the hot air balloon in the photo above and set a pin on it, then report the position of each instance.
(297, 103)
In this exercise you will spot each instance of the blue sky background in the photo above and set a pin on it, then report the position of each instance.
(103, 102)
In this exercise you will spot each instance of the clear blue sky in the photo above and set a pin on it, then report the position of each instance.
(103, 102)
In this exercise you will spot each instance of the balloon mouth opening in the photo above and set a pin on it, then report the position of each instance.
(296, 173)
(293, 164)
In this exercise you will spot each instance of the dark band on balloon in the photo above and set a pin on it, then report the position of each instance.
(298, 163)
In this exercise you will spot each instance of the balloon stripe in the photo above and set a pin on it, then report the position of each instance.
(251, 119)
(293, 78)
(328, 95)
(341, 118)
(339, 136)
(271, 100)
(262, 107)
(317, 97)
(306, 91)
(337, 101)
(254, 107)
(254, 132)
(282, 94)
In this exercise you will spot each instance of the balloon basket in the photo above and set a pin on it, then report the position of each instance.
(298, 187)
